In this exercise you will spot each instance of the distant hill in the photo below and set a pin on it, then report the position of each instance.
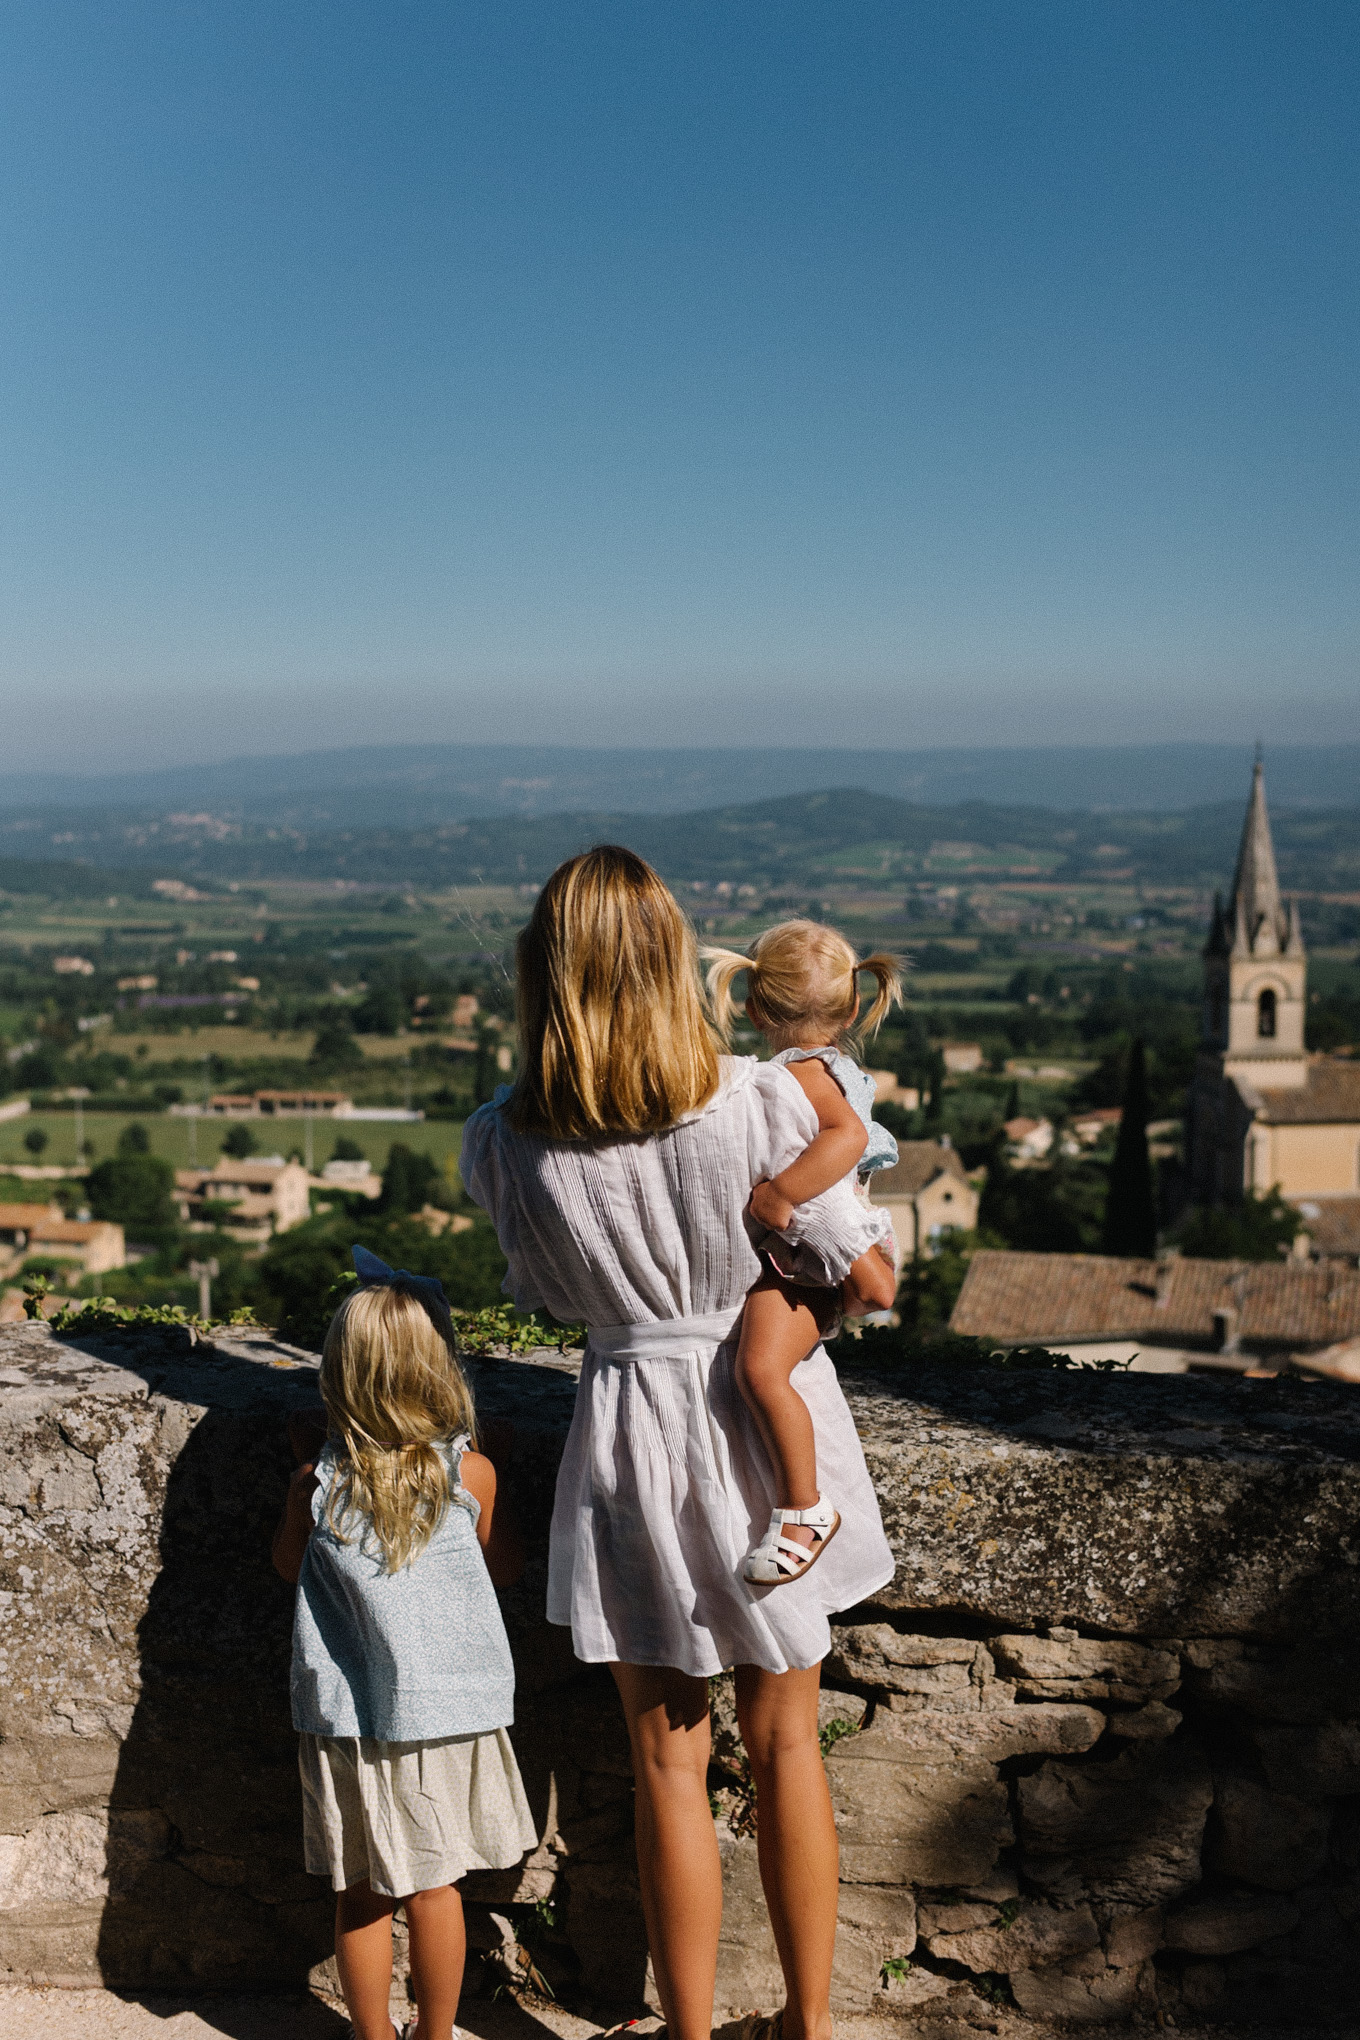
(61, 879)
(796, 840)
(420, 786)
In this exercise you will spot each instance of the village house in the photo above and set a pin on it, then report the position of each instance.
(889, 1090)
(1029, 1140)
(271, 1104)
(1096, 1124)
(263, 1197)
(93, 1246)
(1161, 1317)
(962, 1058)
(356, 1176)
(927, 1193)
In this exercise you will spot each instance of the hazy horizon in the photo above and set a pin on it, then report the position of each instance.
(408, 786)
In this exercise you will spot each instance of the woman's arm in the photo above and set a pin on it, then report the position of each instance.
(841, 1139)
(497, 1531)
(295, 1525)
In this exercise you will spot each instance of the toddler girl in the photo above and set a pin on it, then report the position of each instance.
(802, 994)
(402, 1682)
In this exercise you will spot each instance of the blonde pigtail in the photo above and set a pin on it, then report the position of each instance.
(725, 966)
(887, 972)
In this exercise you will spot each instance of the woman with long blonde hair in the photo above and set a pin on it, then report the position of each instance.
(617, 1171)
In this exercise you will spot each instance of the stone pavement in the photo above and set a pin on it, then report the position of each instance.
(29, 2014)
(116, 2015)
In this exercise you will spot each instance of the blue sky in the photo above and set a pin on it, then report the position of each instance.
(924, 373)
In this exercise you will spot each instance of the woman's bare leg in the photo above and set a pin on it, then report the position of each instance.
(796, 1837)
(677, 1849)
(778, 1329)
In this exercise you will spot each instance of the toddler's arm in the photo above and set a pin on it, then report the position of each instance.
(295, 1525)
(497, 1531)
(841, 1140)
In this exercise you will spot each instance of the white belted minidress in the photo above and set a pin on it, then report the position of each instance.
(664, 1488)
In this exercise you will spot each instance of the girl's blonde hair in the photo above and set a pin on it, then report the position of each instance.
(393, 1390)
(612, 1031)
(802, 983)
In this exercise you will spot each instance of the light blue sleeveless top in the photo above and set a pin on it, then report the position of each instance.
(410, 1656)
(881, 1152)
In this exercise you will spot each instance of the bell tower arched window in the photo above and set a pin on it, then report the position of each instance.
(1265, 1015)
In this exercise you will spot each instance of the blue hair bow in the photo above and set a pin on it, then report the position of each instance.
(370, 1269)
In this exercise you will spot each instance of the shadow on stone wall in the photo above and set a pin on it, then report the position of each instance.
(206, 1884)
(1158, 1582)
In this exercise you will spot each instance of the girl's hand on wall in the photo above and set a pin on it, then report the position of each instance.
(307, 1429)
(295, 1525)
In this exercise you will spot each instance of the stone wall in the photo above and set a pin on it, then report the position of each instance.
(1096, 1752)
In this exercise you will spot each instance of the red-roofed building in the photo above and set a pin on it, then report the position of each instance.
(1172, 1314)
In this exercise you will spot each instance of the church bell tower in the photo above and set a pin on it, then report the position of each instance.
(1255, 969)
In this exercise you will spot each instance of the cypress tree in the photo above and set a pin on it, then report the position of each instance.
(1130, 1212)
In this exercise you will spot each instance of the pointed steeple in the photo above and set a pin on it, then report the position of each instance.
(1294, 939)
(1256, 908)
(1241, 941)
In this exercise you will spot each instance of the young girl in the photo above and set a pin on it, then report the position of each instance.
(403, 1685)
(802, 994)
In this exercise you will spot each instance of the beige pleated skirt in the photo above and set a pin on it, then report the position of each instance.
(409, 1817)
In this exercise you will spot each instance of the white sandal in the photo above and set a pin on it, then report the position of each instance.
(778, 1559)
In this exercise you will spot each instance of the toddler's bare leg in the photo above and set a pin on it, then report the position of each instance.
(871, 1283)
(363, 1955)
(438, 1952)
(778, 1329)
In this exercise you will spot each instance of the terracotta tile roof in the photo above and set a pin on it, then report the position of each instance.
(23, 1217)
(1015, 1298)
(1333, 1226)
(918, 1162)
(1331, 1095)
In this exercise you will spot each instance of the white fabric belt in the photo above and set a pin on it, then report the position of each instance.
(666, 1338)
